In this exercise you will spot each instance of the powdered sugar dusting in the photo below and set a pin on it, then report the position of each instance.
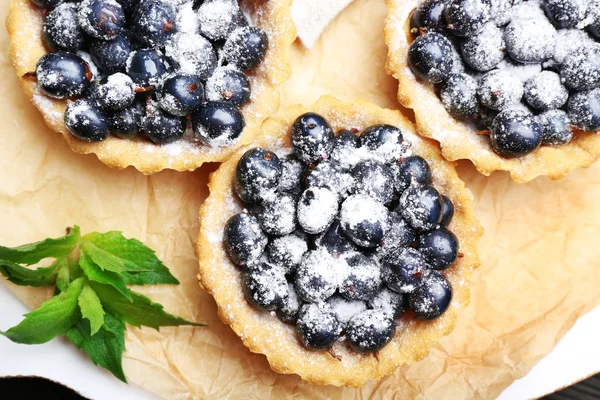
(345, 309)
(193, 53)
(317, 208)
(359, 208)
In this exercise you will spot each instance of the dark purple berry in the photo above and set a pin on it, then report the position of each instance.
(114, 92)
(317, 326)
(335, 241)
(565, 14)
(370, 331)
(147, 68)
(530, 40)
(290, 309)
(584, 110)
(580, 69)
(421, 206)
(219, 18)
(379, 137)
(346, 309)
(244, 239)
(163, 128)
(101, 19)
(277, 215)
(286, 252)
(257, 175)
(440, 248)
(364, 220)
(265, 287)
(246, 47)
(411, 170)
(515, 133)
(430, 57)
(499, 90)
(291, 175)
(467, 17)
(154, 22)
(61, 75)
(312, 138)
(318, 275)
(403, 269)
(329, 175)
(86, 121)
(228, 84)
(181, 94)
(127, 123)
(485, 50)
(429, 15)
(556, 128)
(111, 56)
(218, 123)
(400, 234)
(544, 91)
(61, 29)
(432, 298)
(363, 279)
(374, 179)
(448, 212)
(459, 96)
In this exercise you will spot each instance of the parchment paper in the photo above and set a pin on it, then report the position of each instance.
(540, 255)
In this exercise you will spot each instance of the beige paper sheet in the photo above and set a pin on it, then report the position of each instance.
(540, 259)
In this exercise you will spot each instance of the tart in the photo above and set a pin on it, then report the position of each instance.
(301, 269)
(518, 61)
(183, 56)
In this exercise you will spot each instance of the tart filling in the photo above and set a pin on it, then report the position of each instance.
(156, 84)
(354, 236)
(315, 263)
(509, 85)
(497, 67)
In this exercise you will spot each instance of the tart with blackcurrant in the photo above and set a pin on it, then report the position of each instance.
(156, 84)
(510, 85)
(339, 244)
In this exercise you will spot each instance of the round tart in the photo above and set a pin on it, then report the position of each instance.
(320, 268)
(506, 94)
(191, 46)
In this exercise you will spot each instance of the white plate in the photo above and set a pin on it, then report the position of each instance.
(59, 361)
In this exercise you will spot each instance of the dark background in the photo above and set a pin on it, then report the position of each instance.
(37, 388)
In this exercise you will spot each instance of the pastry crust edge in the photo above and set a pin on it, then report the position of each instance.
(24, 25)
(459, 140)
(262, 332)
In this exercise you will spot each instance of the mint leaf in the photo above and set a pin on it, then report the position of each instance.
(92, 302)
(23, 276)
(63, 276)
(96, 274)
(35, 252)
(106, 347)
(54, 317)
(140, 311)
(136, 262)
(91, 308)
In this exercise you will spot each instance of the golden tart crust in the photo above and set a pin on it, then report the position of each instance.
(263, 332)
(460, 141)
(24, 26)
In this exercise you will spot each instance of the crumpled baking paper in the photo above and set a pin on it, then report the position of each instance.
(540, 258)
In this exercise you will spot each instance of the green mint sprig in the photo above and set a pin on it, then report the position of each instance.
(92, 303)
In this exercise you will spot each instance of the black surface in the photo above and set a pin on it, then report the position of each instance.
(588, 389)
(35, 388)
